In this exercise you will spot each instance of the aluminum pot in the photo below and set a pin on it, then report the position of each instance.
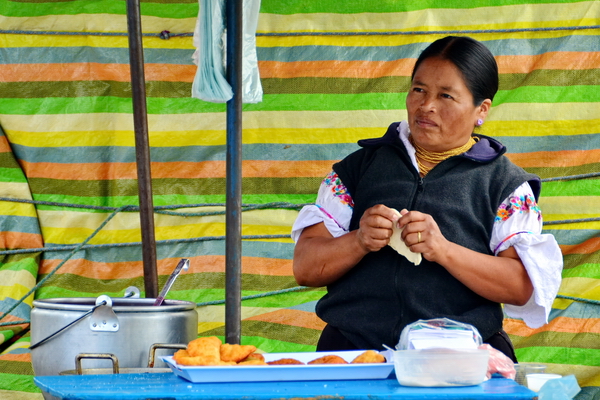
(125, 327)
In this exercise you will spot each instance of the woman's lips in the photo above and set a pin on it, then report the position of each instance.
(425, 123)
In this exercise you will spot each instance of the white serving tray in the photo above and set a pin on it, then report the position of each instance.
(273, 373)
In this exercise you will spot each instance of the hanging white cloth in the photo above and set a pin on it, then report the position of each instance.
(210, 83)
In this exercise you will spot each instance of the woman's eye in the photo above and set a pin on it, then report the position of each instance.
(446, 96)
(417, 90)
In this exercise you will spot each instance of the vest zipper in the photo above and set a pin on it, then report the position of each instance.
(417, 192)
(397, 278)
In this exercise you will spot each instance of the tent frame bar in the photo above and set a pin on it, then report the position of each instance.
(233, 206)
(142, 147)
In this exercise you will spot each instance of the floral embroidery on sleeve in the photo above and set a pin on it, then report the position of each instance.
(518, 204)
(333, 181)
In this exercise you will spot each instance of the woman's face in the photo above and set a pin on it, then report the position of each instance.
(441, 114)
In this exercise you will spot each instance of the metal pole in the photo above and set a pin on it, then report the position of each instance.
(233, 241)
(142, 147)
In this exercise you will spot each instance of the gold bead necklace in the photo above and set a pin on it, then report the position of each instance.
(435, 157)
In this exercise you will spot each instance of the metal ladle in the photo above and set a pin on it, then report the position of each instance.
(183, 265)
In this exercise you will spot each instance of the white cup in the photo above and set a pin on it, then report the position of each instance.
(536, 381)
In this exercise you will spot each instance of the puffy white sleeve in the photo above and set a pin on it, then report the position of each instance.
(519, 224)
(333, 207)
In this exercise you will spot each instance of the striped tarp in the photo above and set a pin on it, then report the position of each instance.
(332, 73)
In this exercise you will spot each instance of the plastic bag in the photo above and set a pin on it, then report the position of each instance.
(442, 332)
(252, 91)
(210, 40)
(564, 388)
(499, 363)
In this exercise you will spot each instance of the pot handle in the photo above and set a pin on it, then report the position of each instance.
(155, 346)
(104, 319)
(132, 292)
(98, 356)
(100, 301)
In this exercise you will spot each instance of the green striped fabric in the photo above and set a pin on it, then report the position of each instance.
(332, 73)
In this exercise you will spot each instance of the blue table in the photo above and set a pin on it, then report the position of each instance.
(169, 386)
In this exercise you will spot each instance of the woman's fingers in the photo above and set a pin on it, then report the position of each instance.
(375, 228)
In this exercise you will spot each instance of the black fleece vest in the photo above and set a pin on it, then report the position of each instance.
(384, 292)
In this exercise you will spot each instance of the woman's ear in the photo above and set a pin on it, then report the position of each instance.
(484, 108)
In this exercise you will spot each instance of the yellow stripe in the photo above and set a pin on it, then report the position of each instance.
(21, 277)
(499, 17)
(273, 134)
(275, 119)
(310, 135)
(595, 225)
(16, 190)
(65, 236)
(78, 235)
(194, 138)
(278, 119)
(99, 122)
(189, 231)
(542, 112)
(561, 304)
(116, 138)
(15, 291)
(208, 326)
(31, 40)
(24, 125)
(274, 217)
(17, 395)
(363, 41)
(124, 220)
(96, 23)
(17, 209)
(216, 314)
(72, 236)
(541, 128)
(567, 207)
(74, 227)
(399, 40)
(72, 138)
(71, 122)
(587, 288)
(266, 229)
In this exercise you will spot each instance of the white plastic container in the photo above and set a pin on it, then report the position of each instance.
(536, 381)
(441, 367)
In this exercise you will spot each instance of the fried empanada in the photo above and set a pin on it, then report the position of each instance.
(330, 359)
(235, 352)
(252, 362)
(180, 354)
(286, 361)
(369, 356)
(182, 357)
(254, 356)
(205, 350)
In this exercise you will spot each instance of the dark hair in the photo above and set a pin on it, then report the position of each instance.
(473, 60)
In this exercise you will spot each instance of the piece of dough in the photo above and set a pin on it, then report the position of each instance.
(398, 244)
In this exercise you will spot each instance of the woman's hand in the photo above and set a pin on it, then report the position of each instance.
(321, 259)
(422, 235)
(501, 278)
(375, 227)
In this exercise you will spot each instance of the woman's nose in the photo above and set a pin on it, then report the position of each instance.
(427, 104)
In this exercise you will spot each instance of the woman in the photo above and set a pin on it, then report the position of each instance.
(464, 207)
